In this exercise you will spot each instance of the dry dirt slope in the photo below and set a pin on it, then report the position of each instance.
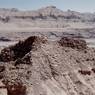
(53, 70)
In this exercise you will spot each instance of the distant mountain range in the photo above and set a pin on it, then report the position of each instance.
(50, 12)
(49, 16)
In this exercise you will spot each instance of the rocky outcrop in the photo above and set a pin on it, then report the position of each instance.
(73, 43)
(17, 51)
(50, 69)
(20, 49)
(16, 89)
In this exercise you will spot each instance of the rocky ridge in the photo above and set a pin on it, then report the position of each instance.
(45, 16)
(48, 68)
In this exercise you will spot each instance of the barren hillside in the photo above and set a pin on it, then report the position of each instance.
(38, 66)
(47, 52)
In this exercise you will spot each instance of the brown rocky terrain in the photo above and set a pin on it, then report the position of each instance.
(47, 52)
(38, 66)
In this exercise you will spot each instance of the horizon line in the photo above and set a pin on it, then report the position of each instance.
(35, 9)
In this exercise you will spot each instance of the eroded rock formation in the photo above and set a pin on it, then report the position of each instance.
(48, 68)
(73, 43)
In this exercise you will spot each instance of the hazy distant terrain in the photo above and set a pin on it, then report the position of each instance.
(48, 21)
(48, 17)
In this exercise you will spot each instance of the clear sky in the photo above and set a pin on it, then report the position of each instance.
(76, 5)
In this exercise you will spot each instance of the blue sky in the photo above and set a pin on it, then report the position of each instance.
(76, 5)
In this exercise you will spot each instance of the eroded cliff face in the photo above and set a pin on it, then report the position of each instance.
(49, 68)
(46, 17)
